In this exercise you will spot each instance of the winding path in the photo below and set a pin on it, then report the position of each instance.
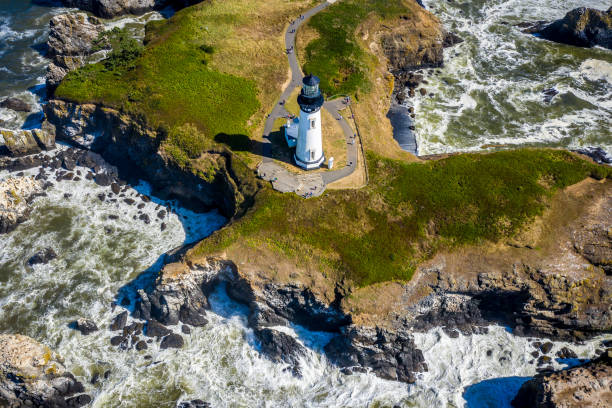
(309, 184)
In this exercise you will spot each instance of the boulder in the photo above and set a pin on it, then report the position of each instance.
(390, 355)
(583, 27)
(42, 257)
(172, 340)
(119, 321)
(86, 326)
(15, 104)
(15, 193)
(32, 375)
(279, 346)
(196, 403)
(588, 385)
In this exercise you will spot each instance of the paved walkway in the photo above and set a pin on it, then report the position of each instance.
(306, 185)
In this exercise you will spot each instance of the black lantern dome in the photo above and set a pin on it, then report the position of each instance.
(310, 99)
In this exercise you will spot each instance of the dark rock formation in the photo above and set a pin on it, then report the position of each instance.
(15, 104)
(588, 385)
(279, 346)
(389, 355)
(583, 27)
(86, 326)
(136, 150)
(119, 321)
(32, 375)
(71, 39)
(42, 257)
(172, 340)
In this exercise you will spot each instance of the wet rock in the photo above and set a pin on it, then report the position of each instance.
(86, 326)
(172, 340)
(549, 94)
(103, 179)
(451, 39)
(162, 227)
(145, 218)
(582, 27)
(161, 214)
(117, 340)
(115, 188)
(587, 385)
(42, 257)
(185, 329)
(423, 91)
(133, 329)
(156, 329)
(597, 154)
(140, 206)
(129, 201)
(280, 347)
(119, 321)
(389, 355)
(566, 353)
(32, 375)
(544, 360)
(15, 104)
(141, 345)
(546, 347)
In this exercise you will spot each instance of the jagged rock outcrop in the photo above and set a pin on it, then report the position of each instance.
(18, 143)
(390, 355)
(180, 294)
(137, 150)
(114, 8)
(588, 385)
(15, 194)
(583, 27)
(31, 375)
(70, 42)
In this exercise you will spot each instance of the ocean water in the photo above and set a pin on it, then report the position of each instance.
(101, 259)
(490, 90)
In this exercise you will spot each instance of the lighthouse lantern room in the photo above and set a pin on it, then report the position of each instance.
(309, 146)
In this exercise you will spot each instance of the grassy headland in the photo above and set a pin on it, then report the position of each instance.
(210, 74)
(407, 212)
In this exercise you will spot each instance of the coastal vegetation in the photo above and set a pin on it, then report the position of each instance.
(207, 77)
(407, 213)
(336, 55)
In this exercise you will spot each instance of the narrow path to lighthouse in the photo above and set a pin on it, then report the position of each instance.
(305, 185)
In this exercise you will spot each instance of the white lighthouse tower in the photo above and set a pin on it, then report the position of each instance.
(309, 148)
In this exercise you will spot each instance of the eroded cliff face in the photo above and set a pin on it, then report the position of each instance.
(552, 280)
(136, 150)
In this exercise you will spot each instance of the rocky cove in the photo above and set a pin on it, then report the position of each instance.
(452, 291)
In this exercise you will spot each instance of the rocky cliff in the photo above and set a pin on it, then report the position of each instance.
(31, 375)
(71, 38)
(137, 151)
(583, 27)
(588, 385)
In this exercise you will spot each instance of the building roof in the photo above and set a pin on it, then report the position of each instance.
(311, 80)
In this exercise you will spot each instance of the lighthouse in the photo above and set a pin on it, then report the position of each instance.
(309, 147)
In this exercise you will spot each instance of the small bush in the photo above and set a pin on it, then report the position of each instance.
(188, 139)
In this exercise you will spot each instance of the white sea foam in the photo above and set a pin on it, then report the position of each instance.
(490, 91)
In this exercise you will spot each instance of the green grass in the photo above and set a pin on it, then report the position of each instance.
(408, 212)
(336, 56)
(170, 83)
